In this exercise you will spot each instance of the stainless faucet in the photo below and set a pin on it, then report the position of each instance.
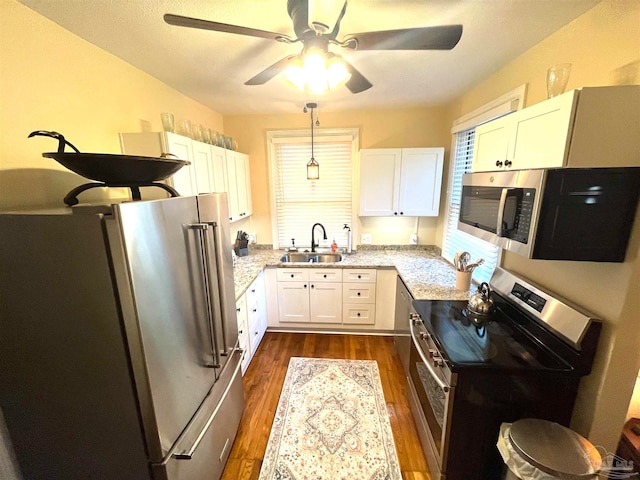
(313, 239)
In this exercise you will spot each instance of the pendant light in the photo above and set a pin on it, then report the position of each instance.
(313, 169)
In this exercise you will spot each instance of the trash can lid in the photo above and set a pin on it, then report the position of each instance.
(555, 449)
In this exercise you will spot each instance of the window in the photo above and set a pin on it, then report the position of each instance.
(299, 203)
(464, 134)
(455, 240)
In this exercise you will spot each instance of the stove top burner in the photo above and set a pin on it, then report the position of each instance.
(494, 342)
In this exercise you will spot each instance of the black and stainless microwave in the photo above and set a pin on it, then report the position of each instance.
(583, 214)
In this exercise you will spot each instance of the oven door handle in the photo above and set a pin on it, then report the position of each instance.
(445, 388)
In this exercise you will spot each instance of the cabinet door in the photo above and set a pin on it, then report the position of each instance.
(248, 209)
(219, 169)
(542, 133)
(201, 162)
(379, 181)
(184, 180)
(492, 143)
(325, 302)
(293, 302)
(232, 183)
(420, 182)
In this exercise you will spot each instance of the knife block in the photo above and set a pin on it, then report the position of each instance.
(241, 248)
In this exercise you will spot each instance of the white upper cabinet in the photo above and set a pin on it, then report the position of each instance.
(211, 169)
(400, 181)
(237, 165)
(578, 128)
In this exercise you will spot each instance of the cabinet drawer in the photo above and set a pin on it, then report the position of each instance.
(359, 275)
(292, 274)
(359, 292)
(325, 275)
(359, 314)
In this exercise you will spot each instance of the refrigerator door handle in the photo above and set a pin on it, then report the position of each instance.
(204, 245)
(217, 240)
(187, 454)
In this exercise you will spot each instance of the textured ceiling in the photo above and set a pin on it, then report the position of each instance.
(211, 67)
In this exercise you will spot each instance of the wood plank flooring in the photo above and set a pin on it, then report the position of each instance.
(263, 383)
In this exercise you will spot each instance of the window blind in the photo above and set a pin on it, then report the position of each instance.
(455, 240)
(300, 203)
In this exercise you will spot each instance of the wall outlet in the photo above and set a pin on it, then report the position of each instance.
(252, 237)
(413, 239)
(366, 239)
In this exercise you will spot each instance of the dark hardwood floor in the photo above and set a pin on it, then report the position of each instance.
(263, 383)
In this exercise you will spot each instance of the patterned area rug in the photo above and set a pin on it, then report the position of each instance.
(331, 423)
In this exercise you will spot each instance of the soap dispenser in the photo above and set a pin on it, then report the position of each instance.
(293, 247)
(334, 246)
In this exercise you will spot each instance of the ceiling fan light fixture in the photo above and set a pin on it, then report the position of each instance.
(318, 72)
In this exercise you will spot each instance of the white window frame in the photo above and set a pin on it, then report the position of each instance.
(277, 136)
(507, 103)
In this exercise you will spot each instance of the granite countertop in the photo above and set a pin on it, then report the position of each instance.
(427, 275)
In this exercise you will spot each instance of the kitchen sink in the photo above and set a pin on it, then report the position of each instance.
(311, 257)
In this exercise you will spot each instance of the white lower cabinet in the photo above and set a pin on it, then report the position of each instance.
(308, 295)
(359, 297)
(348, 298)
(252, 319)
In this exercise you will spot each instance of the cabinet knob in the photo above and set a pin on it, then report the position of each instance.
(311, 286)
(325, 275)
(401, 213)
(358, 313)
(305, 285)
(254, 310)
(292, 275)
(237, 309)
(358, 293)
(498, 163)
(507, 163)
(395, 213)
(359, 276)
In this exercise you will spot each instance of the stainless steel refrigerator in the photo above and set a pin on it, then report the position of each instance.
(118, 340)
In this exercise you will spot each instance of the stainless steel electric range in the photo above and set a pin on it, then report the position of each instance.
(467, 375)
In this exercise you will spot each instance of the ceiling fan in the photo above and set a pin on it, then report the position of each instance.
(317, 36)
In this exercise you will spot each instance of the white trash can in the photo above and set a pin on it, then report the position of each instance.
(535, 449)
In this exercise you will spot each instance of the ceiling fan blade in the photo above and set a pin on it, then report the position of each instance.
(181, 21)
(270, 72)
(357, 83)
(443, 37)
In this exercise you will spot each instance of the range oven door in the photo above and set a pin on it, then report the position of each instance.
(431, 398)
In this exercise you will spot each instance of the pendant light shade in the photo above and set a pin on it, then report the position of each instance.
(313, 170)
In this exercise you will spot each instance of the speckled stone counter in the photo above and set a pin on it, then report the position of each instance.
(427, 275)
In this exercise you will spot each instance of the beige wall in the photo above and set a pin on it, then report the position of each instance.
(51, 79)
(604, 47)
(423, 127)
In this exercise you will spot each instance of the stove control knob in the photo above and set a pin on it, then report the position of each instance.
(438, 362)
(424, 336)
(433, 353)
